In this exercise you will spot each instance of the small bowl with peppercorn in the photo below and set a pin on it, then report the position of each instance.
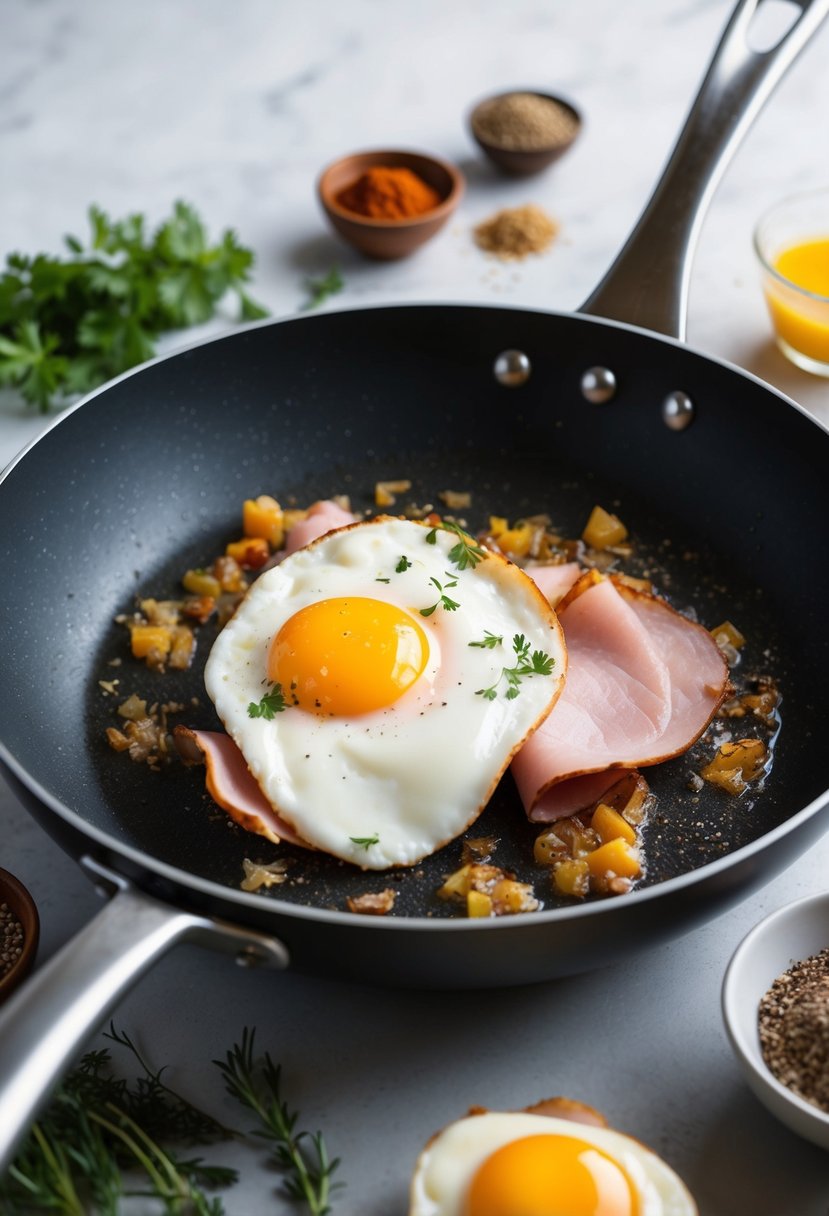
(775, 1003)
(19, 932)
(389, 203)
(523, 132)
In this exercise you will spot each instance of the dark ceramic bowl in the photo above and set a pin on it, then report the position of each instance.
(18, 899)
(385, 239)
(522, 162)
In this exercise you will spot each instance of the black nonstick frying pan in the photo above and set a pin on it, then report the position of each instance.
(720, 478)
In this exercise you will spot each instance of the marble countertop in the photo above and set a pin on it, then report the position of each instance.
(236, 108)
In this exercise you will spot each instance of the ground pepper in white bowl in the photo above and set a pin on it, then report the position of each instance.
(794, 1028)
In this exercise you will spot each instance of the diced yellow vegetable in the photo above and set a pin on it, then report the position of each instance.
(576, 836)
(603, 529)
(572, 878)
(116, 739)
(549, 847)
(262, 517)
(456, 885)
(609, 825)
(478, 904)
(229, 573)
(250, 553)
(498, 524)
(629, 796)
(385, 492)
(183, 647)
(146, 639)
(516, 541)
(735, 764)
(615, 857)
(161, 612)
(510, 897)
(727, 634)
(200, 582)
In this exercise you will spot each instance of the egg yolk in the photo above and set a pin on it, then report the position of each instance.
(551, 1175)
(347, 656)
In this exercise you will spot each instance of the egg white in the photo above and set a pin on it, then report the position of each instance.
(417, 773)
(449, 1162)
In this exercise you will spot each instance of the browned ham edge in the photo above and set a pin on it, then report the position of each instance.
(643, 683)
(230, 783)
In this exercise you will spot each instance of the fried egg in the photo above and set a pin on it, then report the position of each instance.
(378, 683)
(511, 1163)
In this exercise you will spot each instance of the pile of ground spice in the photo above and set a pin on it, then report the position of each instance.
(524, 122)
(384, 193)
(793, 1021)
(11, 940)
(515, 232)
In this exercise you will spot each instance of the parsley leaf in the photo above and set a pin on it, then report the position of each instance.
(490, 640)
(466, 553)
(272, 703)
(320, 289)
(365, 842)
(403, 565)
(535, 663)
(449, 604)
(68, 324)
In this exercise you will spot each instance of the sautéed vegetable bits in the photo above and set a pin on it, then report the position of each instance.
(376, 677)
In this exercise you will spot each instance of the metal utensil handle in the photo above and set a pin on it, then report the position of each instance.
(647, 284)
(48, 1020)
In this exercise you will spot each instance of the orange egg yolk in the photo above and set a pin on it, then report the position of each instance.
(347, 656)
(551, 1175)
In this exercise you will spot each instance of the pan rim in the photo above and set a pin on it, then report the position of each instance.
(305, 319)
(185, 880)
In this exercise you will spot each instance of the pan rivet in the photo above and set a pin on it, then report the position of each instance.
(677, 411)
(252, 956)
(598, 384)
(512, 367)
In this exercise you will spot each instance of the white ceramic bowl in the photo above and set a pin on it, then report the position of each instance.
(788, 935)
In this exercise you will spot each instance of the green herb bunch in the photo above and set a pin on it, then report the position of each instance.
(103, 1139)
(68, 324)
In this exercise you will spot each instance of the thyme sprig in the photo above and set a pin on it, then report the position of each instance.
(449, 604)
(302, 1157)
(535, 663)
(466, 553)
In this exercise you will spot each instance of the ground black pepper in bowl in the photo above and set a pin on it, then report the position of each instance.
(11, 940)
(793, 1022)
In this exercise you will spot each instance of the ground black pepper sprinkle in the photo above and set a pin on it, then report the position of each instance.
(793, 1020)
(11, 939)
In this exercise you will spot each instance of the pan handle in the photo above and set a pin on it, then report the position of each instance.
(647, 285)
(45, 1024)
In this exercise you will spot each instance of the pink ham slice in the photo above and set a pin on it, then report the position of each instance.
(230, 783)
(322, 517)
(554, 581)
(643, 682)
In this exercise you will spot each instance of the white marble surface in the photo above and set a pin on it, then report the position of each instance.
(236, 108)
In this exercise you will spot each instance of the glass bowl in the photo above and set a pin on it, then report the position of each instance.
(791, 242)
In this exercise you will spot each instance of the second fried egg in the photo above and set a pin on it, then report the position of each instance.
(379, 681)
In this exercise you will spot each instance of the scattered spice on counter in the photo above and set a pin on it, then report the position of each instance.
(385, 193)
(11, 940)
(524, 122)
(515, 232)
(793, 1021)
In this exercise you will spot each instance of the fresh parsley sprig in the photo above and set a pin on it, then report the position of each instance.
(268, 706)
(69, 323)
(536, 663)
(307, 1170)
(365, 842)
(320, 289)
(449, 604)
(489, 640)
(466, 553)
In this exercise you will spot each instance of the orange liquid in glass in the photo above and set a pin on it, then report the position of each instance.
(802, 322)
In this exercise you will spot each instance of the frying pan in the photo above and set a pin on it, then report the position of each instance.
(146, 477)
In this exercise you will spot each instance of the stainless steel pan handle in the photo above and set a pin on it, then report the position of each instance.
(647, 285)
(47, 1022)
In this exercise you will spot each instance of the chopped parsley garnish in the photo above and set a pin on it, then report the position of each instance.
(402, 565)
(490, 640)
(382, 580)
(365, 842)
(449, 604)
(272, 703)
(466, 553)
(536, 663)
(320, 289)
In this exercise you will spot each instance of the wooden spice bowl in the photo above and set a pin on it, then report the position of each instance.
(389, 239)
(794, 932)
(524, 162)
(21, 904)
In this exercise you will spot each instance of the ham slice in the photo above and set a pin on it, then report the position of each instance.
(230, 783)
(322, 517)
(643, 682)
(554, 581)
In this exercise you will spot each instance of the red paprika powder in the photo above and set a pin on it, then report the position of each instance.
(385, 193)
